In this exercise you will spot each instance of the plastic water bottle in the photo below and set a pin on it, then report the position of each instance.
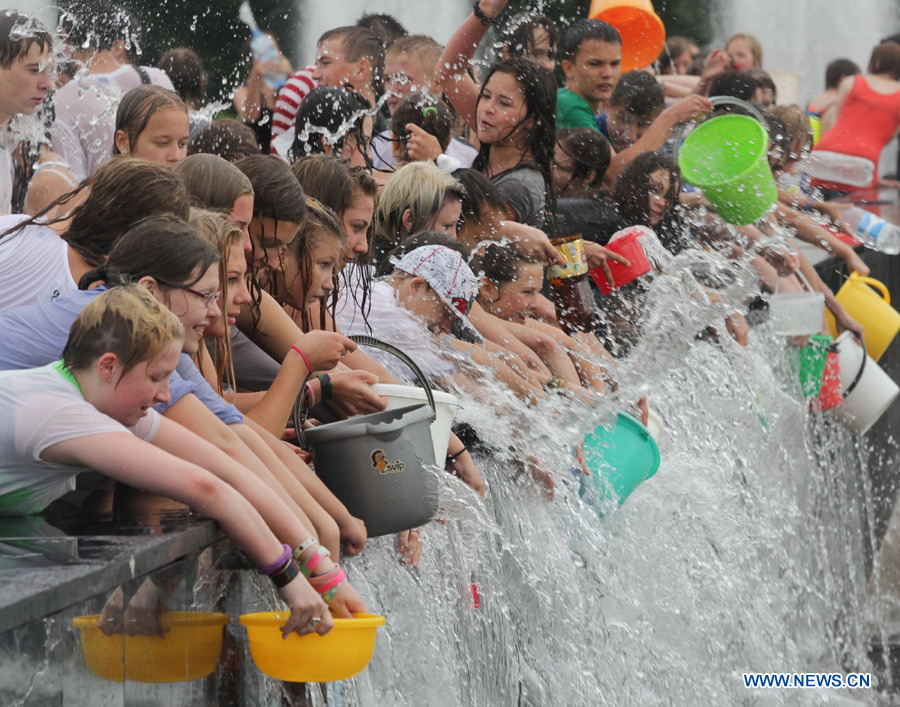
(263, 47)
(873, 231)
(840, 168)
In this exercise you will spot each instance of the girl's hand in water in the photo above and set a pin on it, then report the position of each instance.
(305, 604)
(409, 547)
(324, 349)
(464, 467)
(353, 536)
(421, 145)
(347, 602)
(352, 391)
(541, 476)
(738, 328)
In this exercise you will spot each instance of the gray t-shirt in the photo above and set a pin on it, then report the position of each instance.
(523, 188)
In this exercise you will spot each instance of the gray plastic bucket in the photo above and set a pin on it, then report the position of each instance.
(378, 465)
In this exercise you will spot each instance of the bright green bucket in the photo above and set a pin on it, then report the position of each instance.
(808, 364)
(620, 457)
(726, 157)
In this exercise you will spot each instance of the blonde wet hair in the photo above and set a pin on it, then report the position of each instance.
(799, 129)
(420, 187)
(127, 321)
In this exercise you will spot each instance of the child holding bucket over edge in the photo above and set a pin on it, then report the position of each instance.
(114, 369)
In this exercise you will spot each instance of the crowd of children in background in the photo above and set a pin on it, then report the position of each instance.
(169, 283)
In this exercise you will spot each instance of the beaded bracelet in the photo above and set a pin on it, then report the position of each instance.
(481, 17)
(325, 380)
(278, 564)
(303, 356)
(286, 575)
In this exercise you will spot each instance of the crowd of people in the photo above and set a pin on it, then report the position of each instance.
(170, 284)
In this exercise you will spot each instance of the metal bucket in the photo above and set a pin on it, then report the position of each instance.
(381, 466)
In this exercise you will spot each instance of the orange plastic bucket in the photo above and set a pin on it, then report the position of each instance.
(630, 247)
(642, 31)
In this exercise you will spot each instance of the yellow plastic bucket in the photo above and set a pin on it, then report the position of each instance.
(868, 301)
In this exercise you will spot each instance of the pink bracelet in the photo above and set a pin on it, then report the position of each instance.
(333, 582)
(279, 563)
(313, 561)
(303, 356)
(320, 578)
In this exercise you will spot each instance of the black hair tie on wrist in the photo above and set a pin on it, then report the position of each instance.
(453, 457)
(481, 17)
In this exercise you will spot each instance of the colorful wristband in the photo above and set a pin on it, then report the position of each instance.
(313, 561)
(288, 574)
(328, 596)
(303, 547)
(278, 564)
(303, 356)
(331, 583)
(325, 380)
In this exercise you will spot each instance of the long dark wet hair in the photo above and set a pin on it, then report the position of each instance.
(327, 108)
(539, 92)
(632, 195)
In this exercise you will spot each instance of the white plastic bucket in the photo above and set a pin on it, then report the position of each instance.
(655, 424)
(445, 406)
(797, 313)
(868, 390)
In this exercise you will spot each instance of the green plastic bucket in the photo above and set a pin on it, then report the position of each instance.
(808, 363)
(726, 157)
(620, 457)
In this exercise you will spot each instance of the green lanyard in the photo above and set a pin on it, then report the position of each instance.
(60, 368)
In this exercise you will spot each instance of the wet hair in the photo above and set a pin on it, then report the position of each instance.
(779, 141)
(478, 192)
(632, 195)
(796, 122)
(230, 139)
(764, 80)
(421, 46)
(539, 93)
(420, 187)
(326, 179)
(737, 84)
(223, 237)
(640, 94)
(674, 48)
(581, 31)
(184, 68)
(138, 106)
(130, 31)
(127, 321)
(386, 27)
(360, 43)
(329, 115)
(589, 152)
(213, 183)
(93, 24)
(121, 192)
(165, 248)
(419, 240)
(517, 34)
(838, 70)
(498, 263)
(886, 60)
(755, 47)
(18, 34)
(428, 113)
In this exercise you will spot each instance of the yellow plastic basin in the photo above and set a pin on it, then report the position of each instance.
(188, 649)
(340, 654)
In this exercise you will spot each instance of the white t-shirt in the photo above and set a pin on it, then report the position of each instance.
(7, 176)
(392, 323)
(86, 116)
(41, 407)
(34, 265)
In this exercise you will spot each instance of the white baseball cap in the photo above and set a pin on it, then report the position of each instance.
(447, 273)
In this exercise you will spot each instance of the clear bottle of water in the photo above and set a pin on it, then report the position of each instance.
(263, 48)
(873, 231)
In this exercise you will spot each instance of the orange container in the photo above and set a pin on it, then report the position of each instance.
(643, 33)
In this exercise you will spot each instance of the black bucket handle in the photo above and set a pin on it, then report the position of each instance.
(862, 368)
(365, 340)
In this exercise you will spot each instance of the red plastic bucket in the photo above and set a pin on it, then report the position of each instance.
(831, 394)
(629, 247)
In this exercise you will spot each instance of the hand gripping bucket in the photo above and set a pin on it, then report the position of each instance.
(620, 457)
(378, 465)
(630, 247)
(868, 390)
(869, 302)
(726, 157)
(642, 31)
(797, 313)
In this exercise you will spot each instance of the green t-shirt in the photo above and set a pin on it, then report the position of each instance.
(572, 111)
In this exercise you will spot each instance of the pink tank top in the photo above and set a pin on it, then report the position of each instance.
(865, 124)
